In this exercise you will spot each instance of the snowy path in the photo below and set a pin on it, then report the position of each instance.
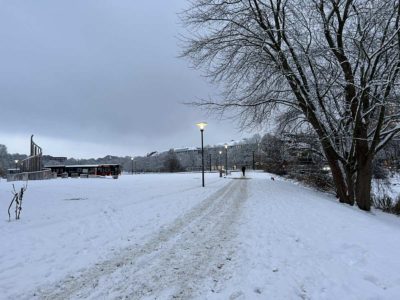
(173, 263)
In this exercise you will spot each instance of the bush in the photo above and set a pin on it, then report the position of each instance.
(386, 204)
(275, 168)
(317, 180)
(383, 202)
(379, 171)
(396, 206)
(310, 174)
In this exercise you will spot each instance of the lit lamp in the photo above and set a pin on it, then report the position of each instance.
(201, 126)
(132, 164)
(226, 159)
(16, 164)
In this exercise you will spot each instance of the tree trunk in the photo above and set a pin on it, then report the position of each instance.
(338, 179)
(363, 184)
(350, 184)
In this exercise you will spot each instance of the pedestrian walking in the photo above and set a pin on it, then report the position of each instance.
(244, 170)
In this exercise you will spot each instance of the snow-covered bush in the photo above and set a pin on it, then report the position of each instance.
(314, 178)
(387, 204)
(383, 202)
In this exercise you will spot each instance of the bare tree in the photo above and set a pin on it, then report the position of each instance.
(273, 148)
(332, 65)
(171, 162)
(3, 160)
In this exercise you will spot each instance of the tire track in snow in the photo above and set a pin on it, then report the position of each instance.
(127, 204)
(192, 252)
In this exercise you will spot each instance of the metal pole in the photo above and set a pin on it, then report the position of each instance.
(254, 163)
(132, 166)
(135, 167)
(226, 161)
(210, 162)
(202, 157)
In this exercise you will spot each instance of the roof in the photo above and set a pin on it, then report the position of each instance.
(80, 166)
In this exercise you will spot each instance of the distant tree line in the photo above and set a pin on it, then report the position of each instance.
(245, 152)
(292, 154)
(7, 160)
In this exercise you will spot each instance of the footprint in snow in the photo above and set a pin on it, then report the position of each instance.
(237, 296)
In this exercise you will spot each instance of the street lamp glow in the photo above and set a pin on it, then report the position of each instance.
(226, 146)
(201, 125)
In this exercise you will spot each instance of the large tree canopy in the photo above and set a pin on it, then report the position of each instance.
(333, 64)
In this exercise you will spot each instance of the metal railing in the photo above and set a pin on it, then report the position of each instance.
(40, 175)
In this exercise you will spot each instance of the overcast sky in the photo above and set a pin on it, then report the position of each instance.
(96, 77)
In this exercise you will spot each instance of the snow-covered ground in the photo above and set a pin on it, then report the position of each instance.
(389, 186)
(163, 236)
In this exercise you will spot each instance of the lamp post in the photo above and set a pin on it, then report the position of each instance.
(16, 165)
(209, 155)
(226, 159)
(201, 126)
(132, 164)
(254, 162)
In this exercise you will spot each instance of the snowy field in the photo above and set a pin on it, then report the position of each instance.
(163, 236)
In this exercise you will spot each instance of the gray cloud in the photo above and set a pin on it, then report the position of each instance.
(99, 76)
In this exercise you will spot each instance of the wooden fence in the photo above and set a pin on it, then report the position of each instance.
(34, 162)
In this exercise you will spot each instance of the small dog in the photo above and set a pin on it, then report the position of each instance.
(272, 178)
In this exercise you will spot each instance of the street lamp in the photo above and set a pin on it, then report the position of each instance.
(226, 159)
(16, 164)
(201, 126)
(132, 164)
